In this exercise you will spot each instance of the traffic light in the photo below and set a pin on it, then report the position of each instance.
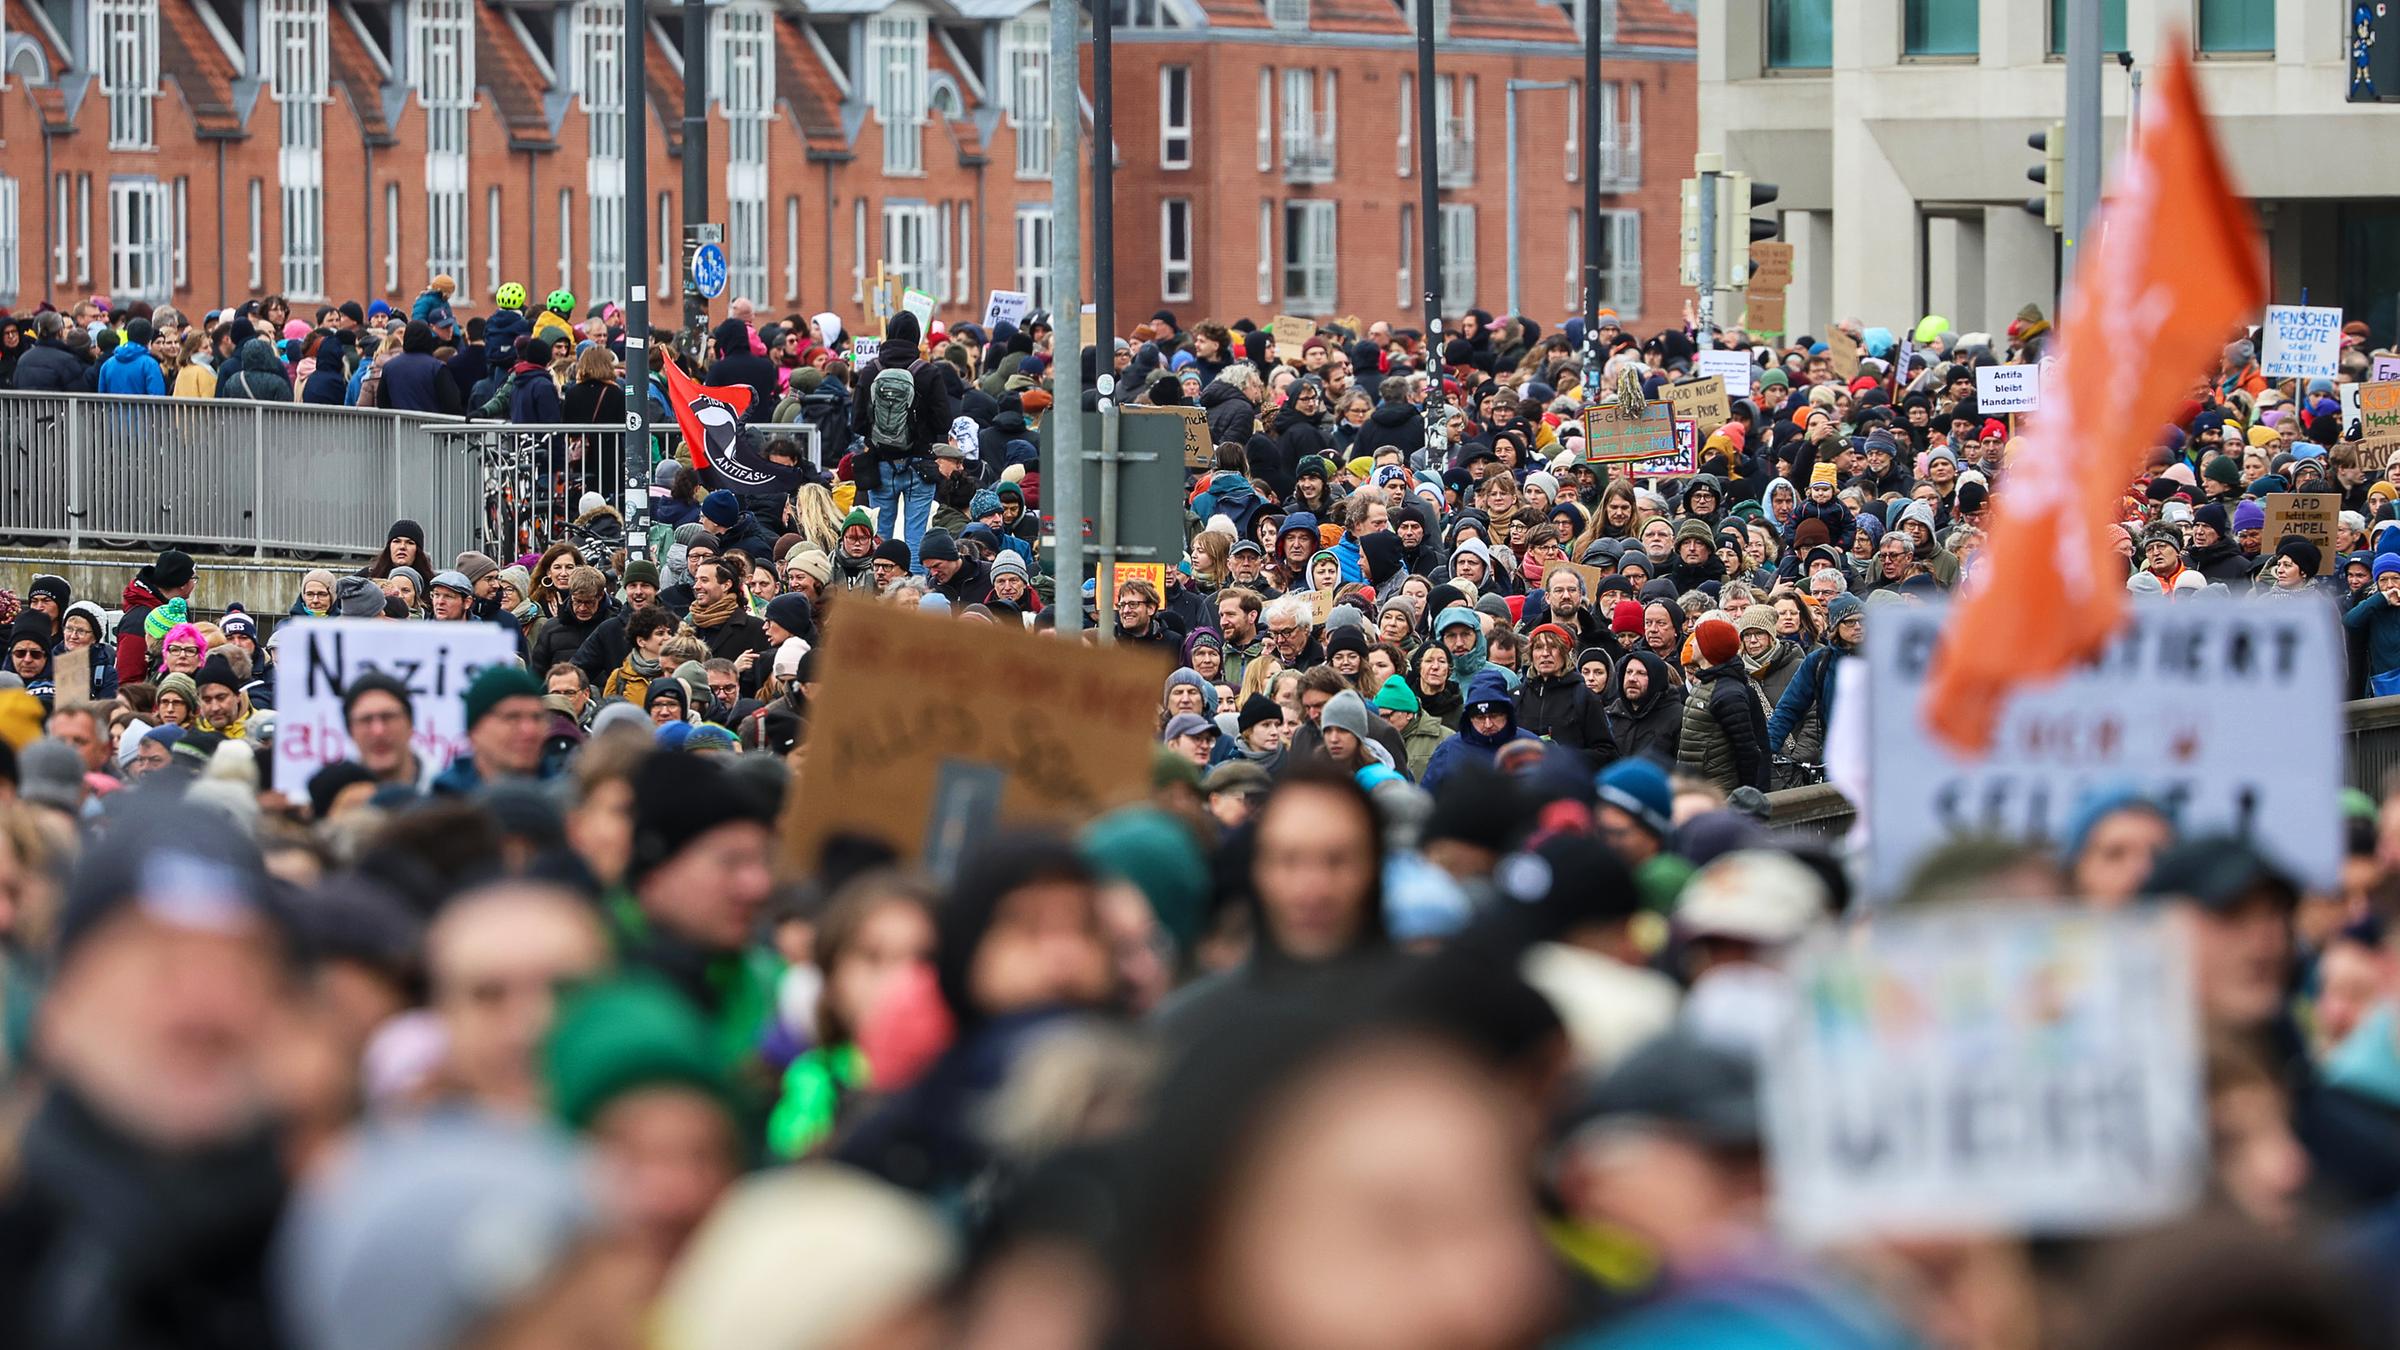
(1689, 268)
(1738, 194)
(2051, 173)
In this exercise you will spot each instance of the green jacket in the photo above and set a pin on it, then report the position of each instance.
(1422, 736)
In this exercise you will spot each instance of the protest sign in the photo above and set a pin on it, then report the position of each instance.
(863, 348)
(1770, 265)
(1006, 307)
(1614, 436)
(1843, 350)
(1290, 336)
(1198, 452)
(1090, 325)
(920, 304)
(2384, 368)
(1702, 400)
(316, 659)
(928, 735)
(1763, 313)
(2008, 389)
(71, 677)
(1120, 572)
(1591, 577)
(2379, 414)
(1731, 367)
(1984, 1069)
(1685, 459)
(2300, 342)
(2147, 714)
(2311, 515)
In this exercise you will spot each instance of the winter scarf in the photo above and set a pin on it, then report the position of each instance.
(716, 613)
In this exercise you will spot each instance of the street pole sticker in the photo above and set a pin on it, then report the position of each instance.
(2148, 714)
(2017, 1070)
(316, 659)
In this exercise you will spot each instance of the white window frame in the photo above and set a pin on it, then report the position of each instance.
(1408, 124)
(666, 254)
(910, 251)
(491, 237)
(896, 79)
(1266, 119)
(1307, 122)
(566, 239)
(140, 240)
(937, 263)
(1454, 111)
(1621, 269)
(1025, 93)
(1266, 251)
(441, 64)
(1575, 127)
(1174, 117)
(791, 250)
(12, 242)
(1620, 136)
(1408, 256)
(1311, 256)
(965, 290)
(62, 190)
(597, 73)
(297, 66)
(1174, 271)
(391, 238)
(258, 235)
(742, 72)
(1034, 252)
(1288, 15)
(1574, 303)
(124, 34)
(182, 233)
(83, 229)
(858, 252)
(1458, 254)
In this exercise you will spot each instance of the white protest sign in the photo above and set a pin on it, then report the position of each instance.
(2301, 342)
(2149, 714)
(1981, 1069)
(920, 304)
(2384, 368)
(2008, 389)
(1731, 367)
(864, 348)
(1006, 307)
(316, 659)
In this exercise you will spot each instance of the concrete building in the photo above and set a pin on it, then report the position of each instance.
(1896, 130)
(202, 151)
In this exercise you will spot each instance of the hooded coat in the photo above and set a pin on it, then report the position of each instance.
(257, 374)
(1470, 746)
(1560, 708)
(1653, 725)
(413, 381)
(1231, 414)
(1464, 666)
(929, 420)
(736, 364)
(131, 369)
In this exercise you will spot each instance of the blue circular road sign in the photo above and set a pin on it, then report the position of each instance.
(708, 270)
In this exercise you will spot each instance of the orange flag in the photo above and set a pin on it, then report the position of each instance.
(2175, 263)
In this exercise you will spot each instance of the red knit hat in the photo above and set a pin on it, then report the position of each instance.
(1718, 641)
(1625, 618)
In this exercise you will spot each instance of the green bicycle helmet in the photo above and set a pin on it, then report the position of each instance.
(561, 303)
(510, 295)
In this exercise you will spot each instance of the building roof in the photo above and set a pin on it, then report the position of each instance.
(806, 86)
(666, 92)
(190, 56)
(358, 75)
(507, 72)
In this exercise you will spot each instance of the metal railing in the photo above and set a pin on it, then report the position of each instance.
(87, 471)
(1454, 157)
(1308, 156)
(1621, 163)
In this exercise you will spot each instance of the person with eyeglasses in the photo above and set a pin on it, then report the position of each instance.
(1138, 619)
(506, 725)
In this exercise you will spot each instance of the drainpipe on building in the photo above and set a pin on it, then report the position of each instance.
(221, 287)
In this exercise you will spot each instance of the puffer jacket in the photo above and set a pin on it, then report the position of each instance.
(1724, 738)
(1231, 415)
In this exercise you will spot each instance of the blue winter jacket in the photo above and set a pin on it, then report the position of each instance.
(131, 369)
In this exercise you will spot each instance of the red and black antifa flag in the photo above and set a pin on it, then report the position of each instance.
(710, 416)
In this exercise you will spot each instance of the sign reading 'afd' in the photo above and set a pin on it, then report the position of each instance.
(2227, 713)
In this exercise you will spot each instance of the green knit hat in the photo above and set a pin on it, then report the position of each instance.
(858, 516)
(164, 617)
(1396, 696)
(628, 1034)
(494, 683)
(1157, 853)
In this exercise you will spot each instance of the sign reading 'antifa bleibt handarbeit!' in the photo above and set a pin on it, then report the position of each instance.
(2024, 1069)
(2225, 712)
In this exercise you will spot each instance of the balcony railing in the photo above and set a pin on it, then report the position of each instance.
(1455, 160)
(1621, 164)
(1288, 13)
(1307, 158)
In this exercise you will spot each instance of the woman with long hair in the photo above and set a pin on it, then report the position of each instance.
(1437, 696)
(815, 519)
(594, 398)
(1212, 555)
(550, 576)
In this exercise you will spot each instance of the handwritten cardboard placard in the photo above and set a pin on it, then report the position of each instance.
(1198, 451)
(1702, 400)
(2379, 414)
(2384, 368)
(1770, 265)
(932, 734)
(1843, 349)
(1763, 313)
(1615, 436)
(71, 677)
(1290, 336)
(2311, 515)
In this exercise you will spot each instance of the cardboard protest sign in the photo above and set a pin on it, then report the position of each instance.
(1198, 452)
(1843, 348)
(1985, 1069)
(1290, 336)
(929, 735)
(1732, 367)
(2147, 714)
(2311, 515)
(316, 659)
(2379, 413)
(2300, 342)
(1763, 313)
(1591, 577)
(1006, 307)
(920, 304)
(2384, 368)
(1121, 572)
(1702, 400)
(1770, 265)
(2008, 389)
(71, 678)
(1685, 459)
(1614, 436)
(1091, 325)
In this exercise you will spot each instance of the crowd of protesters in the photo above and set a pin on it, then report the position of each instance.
(1420, 1003)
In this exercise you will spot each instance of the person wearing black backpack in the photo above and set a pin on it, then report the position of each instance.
(901, 423)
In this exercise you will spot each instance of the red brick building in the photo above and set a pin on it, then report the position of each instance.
(197, 152)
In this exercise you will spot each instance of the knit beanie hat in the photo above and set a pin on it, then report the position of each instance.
(1626, 617)
(721, 507)
(1717, 641)
(1396, 696)
(858, 519)
(892, 550)
(2222, 470)
(494, 683)
(1347, 712)
(475, 566)
(218, 671)
(1259, 708)
(1756, 619)
(1345, 639)
(1009, 563)
(1638, 786)
(357, 598)
(1825, 473)
(679, 798)
(164, 617)
(643, 571)
(2249, 516)
(810, 562)
(183, 686)
(625, 1035)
